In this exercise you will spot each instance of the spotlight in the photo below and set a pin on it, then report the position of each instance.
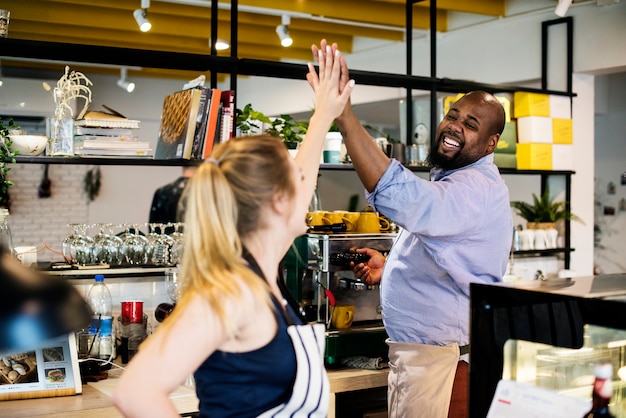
(123, 84)
(220, 44)
(283, 32)
(561, 8)
(141, 16)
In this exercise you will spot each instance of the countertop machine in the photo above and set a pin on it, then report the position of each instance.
(318, 274)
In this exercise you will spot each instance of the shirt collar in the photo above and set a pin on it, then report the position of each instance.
(438, 173)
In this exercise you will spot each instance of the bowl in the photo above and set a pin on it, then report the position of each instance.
(29, 144)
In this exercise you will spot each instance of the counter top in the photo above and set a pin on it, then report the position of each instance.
(96, 403)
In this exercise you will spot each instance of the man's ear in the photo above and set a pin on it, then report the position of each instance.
(492, 142)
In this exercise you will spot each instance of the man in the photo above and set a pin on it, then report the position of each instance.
(456, 229)
(167, 206)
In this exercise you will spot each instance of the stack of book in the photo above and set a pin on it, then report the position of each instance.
(193, 121)
(102, 134)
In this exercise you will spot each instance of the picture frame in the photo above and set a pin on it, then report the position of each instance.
(47, 371)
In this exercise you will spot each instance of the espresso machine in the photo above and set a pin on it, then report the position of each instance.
(317, 271)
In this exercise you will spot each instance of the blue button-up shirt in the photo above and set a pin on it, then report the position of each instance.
(456, 229)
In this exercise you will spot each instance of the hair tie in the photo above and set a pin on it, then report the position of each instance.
(212, 161)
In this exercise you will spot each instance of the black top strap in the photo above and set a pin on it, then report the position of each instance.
(291, 301)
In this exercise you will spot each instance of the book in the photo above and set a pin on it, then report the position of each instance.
(97, 131)
(103, 119)
(90, 152)
(178, 124)
(203, 113)
(228, 115)
(211, 126)
(91, 144)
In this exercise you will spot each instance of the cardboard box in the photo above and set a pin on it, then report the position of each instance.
(534, 156)
(562, 132)
(534, 129)
(560, 107)
(562, 157)
(508, 140)
(530, 104)
(505, 160)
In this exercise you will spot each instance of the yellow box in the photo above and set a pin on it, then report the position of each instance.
(534, 156)
(562, 132)
(530, 104)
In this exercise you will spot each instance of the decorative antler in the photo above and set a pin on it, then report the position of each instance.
(72, 86)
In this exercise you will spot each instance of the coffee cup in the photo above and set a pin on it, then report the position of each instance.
(315, 218)
(342, 316)
(541, 238)
(371, 223)
(527, 239)
(338, 217)
(27, 255)
(350, 218)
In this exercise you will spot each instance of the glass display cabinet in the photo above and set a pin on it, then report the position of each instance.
(549, 334)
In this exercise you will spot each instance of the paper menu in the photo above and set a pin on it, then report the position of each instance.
(520, 400)
(50, 370)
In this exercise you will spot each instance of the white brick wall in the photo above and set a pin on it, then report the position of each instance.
(36, 221)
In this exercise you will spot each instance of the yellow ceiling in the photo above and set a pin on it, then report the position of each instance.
(184, 25)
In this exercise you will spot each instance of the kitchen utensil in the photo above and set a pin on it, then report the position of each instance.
(44, 187)
(331, 299)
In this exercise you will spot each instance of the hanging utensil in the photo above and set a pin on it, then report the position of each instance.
(44, 187)
(331, 300)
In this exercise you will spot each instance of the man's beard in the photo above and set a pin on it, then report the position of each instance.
(437, 159)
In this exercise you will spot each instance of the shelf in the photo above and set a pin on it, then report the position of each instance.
(104, 161)
(350, 167)
(546, 252)
(62, 52)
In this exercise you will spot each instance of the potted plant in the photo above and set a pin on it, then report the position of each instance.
(290, 130)
(7, 155)
(543, 213)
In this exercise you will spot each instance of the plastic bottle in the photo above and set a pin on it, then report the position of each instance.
(602, 391)
(99, 298)
(6, 239)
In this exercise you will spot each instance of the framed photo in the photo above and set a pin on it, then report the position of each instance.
(50, 370)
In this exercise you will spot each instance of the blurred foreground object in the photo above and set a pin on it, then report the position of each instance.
(35, 308)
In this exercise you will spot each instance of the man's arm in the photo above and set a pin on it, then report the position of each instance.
(368, 159)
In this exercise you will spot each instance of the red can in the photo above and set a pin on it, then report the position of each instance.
(132, 312)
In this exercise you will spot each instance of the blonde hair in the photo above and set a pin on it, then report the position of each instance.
(224, 200)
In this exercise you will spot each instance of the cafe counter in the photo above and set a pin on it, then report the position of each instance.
(95, 401)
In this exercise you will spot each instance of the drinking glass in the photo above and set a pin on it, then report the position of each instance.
(162, 248)
(152, 237)
(66, 244)
(135, 247)
(107, 246)
(179, 238)
(82, 247)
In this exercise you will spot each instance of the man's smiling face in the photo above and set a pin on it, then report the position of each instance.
(467, 133)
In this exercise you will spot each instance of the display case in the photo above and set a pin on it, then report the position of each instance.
(549, 334)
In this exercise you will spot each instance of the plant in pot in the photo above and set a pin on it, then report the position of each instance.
(290, 130)
(543, 213)
(7, 156)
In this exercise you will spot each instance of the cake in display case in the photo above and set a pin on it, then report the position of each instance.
(550, 334)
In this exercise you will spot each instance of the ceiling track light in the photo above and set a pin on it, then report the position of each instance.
(123, 83)
(220, 44)
(562, 7)
(141, 16)
(283, 32)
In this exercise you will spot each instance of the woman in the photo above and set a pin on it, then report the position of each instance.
(246, 205)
